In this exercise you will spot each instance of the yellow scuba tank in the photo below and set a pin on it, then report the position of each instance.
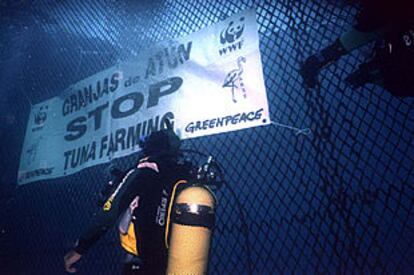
(192, 220)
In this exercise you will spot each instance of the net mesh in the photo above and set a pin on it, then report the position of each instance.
(336, 200)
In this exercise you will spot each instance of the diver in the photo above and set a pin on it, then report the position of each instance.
(140, 198)
(391, 25)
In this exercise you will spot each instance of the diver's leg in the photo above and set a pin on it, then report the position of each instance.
(368, 72)
(347, 42)
(314, 63)
(354, 38)
(372, 72)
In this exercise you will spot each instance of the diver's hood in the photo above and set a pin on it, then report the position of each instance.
(163, 142)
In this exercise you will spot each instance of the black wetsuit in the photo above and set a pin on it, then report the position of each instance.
(152, 180)
(394, 58)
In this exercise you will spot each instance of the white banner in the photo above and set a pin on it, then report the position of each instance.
(208, 82)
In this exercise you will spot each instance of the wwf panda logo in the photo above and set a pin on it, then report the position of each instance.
(233, 31)
(41, 116)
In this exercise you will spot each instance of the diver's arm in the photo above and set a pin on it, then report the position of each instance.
(93, 233)
(103, 220)
(108, 215)
(132, 184)
(100, 225)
